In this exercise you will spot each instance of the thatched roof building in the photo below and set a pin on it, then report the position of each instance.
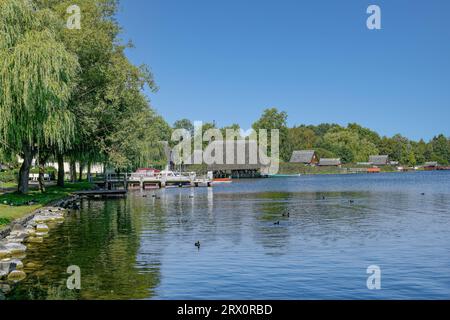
(305, 157)
(325, 162)
(379, 160)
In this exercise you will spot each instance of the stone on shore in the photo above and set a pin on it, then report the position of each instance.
(15, 248)
(35, 239)
(10, 265)
(16, 276)
(4, 253)
(17, 229)
(42, 228)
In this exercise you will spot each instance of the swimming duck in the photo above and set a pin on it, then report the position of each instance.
(277, 223)
(197, 244)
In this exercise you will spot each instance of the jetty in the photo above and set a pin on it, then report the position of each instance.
(142, 180)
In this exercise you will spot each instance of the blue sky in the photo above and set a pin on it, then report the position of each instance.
(229, 60)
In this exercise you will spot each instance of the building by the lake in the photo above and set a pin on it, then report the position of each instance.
(308, 157)
(379, 160)
(328, 162)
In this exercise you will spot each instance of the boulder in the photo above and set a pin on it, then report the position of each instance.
(15, 248)
(41, 235)
(17, 276)
(10, 265)
(17, 229)
(31, 265)
(35, 239)
(31, 231)
(42, 228)
(16, 239)
(4, 251)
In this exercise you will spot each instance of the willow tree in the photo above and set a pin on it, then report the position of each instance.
(36, 76)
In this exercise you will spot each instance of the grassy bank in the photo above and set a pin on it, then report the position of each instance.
(14, 206)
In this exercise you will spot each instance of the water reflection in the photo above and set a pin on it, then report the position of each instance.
(143, 247)
(103, 239)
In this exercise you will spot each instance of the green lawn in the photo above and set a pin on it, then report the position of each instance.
(14, 206)
(8, 185)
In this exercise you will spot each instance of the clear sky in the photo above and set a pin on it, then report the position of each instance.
(229, 60)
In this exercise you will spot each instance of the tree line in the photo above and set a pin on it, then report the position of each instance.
(351, 144)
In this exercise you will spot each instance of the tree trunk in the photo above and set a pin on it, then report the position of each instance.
(24, 173)
(80, 177)
(89, 172)
(61, 171)
(73, 171)
(42, 161)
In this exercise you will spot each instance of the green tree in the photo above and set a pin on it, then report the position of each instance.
(185, 124)
(272, 119)
(37, 75)
(348, 145)
(441, 150)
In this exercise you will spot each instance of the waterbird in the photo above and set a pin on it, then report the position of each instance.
(423, 193)
(323, 197)
(197, 244)
(352, 201)
(277, 223)
(287, 214)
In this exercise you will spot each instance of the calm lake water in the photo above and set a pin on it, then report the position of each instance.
(143, 248)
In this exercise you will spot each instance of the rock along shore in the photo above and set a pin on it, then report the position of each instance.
(31, 229)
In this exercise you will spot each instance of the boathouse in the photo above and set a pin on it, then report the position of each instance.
(379, 160)
(326, 162)
(430, 166)
(236, 159)
(308, 157)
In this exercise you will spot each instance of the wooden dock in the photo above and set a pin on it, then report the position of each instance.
(126, 181)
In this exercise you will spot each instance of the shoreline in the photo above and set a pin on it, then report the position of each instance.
(16, 208)
(5, 231)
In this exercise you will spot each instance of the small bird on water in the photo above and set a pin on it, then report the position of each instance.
(197, 244)
(352, 201)
(277, 223)
(287, 214)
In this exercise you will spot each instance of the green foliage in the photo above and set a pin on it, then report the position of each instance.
(37, 74)
(9, 176)
(185, 124)
(272, 119)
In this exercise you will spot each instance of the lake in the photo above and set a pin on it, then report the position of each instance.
(143, 247)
